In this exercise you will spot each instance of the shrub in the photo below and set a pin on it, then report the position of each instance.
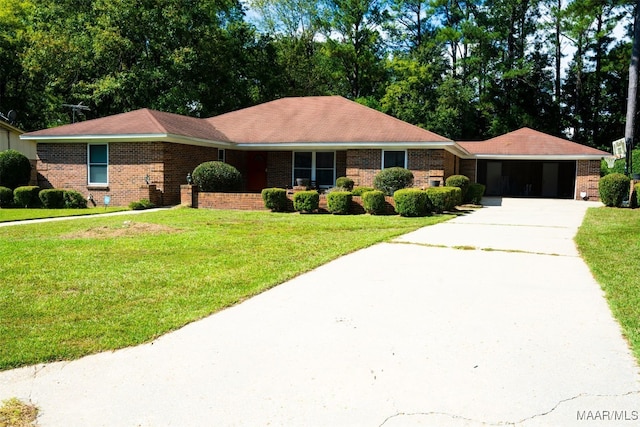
(475, 193)
(339, 202)
(411, 202)
(27, 196)
(141, 205)
(392, 179)
(217, 176)
(460, 181)
(74, 200)
(443, 198)
(613, 189)
(456, 198)
(15, 169)
(359, 191)
(306, 201)
(52, 198)
(345, 183)
(373, 202)
(6, 197)
(275, 199)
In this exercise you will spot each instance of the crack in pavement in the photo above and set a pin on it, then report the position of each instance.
(475, 248)
(507, 423)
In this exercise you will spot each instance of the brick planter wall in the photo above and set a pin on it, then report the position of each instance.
(587, 177)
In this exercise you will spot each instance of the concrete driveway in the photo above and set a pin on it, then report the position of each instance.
(415, 332)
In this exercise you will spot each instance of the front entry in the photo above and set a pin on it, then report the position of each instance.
(257, 171)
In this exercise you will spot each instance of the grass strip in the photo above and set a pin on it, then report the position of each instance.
(7, 215)
(609, 242)
(76, 287)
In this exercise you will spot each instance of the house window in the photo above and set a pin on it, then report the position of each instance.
(98, 163)
(221, 155)
(392, 159)
(315, 166)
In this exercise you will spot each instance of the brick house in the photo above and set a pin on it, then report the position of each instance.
(148, 154)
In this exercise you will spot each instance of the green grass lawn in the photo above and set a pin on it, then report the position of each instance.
(609, 241)
(22, 214)
(76, 287)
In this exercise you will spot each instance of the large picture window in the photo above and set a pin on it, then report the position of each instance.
(98, 164)
(319, 167)
(392, 159)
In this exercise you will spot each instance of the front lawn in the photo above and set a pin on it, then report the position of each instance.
(609, 242)
(76, 287)
(23, 214)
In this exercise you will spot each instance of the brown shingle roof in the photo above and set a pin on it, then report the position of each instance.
(138, 122)
(529, 142)
(317, 119)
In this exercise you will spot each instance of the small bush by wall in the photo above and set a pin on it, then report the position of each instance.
(374, 202)
(392, 179)
(460, 181)
(6, 197)
(345, 183)
(474, 193)
(275, 199)
(411, 202)
(339, 202)
(52, 198)
(442, 198)
(141, 205)
(26, 196)
(306, 201)
(359, 191)
(15, 169)
(613, 189)
(217, 176)
(74, 200)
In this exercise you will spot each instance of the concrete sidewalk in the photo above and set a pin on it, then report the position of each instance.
(407, 333)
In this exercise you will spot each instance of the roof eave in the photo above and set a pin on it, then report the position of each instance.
(138, 137)
(337, 145)
(538, 156)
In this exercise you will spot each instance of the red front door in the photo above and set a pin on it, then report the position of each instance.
(257, 170)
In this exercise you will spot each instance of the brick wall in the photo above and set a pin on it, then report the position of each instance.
(279, 169)
(468, 169)
(587, 177)
(362, 166)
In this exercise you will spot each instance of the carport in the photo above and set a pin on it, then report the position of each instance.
(528, 163)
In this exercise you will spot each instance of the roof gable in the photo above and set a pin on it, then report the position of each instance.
(529, 142)
(317, 119)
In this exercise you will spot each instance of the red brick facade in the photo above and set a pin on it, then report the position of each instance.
(587, 177)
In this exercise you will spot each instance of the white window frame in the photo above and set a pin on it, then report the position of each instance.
(89, 165)
(222, 155)
(313, 166)
(406, 158)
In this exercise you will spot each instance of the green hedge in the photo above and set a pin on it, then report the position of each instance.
(613, 189)
(26, 196)
(141, 205)
(411, 202)
(339, 202)
(306, 201)
(6, 197)
(374, 202)
(345, 183)
(217, 176)
(74, 200)
(392, 179)
(460, 181)
(475, 193)
(359, 191)
(52, 198)
(275, 199)
(443, 198)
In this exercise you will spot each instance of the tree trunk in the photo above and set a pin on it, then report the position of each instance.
(633, 89)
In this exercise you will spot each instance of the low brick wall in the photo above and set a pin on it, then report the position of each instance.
(190, 196)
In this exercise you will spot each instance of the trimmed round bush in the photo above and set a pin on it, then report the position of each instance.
(74, 200)
(359, 191)
(474, 193)
(345, 183)
(217, 177)
(15, 169)
(373, 202)
(26, 196)
(391, 180)
(411, 202)
(52, 198)
(275, 199)
(339, 202)
(306, 201)
(443, 198)
(460, 181)
(456, 199)
(6, 197)
(141, 205)
(613, 189)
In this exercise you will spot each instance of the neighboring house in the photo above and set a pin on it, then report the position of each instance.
(10, 139)
(148, 154)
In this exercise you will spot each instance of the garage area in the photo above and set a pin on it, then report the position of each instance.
(528, 178)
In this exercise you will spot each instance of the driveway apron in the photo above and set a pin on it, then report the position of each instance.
(490, 319)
